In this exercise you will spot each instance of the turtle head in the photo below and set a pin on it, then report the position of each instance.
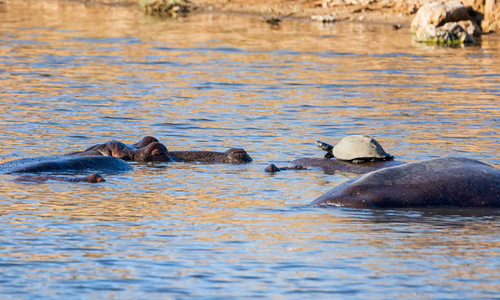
(325, 147)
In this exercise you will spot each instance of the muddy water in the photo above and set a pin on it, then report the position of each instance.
(73, 75)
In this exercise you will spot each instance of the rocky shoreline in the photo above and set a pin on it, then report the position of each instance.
(394, 12)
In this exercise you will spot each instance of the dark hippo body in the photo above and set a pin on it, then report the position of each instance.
(358, 154)
(66, 164)
(92, 178)
(334, 165)
(443, 182)
(231, 156)
(146, 150)
(149, 149)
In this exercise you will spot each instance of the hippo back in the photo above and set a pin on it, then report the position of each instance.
(231, 156)
(66, 164)
(450, 181)
(339, 166)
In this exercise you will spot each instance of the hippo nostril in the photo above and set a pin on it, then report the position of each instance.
(272, 168)
(238, 155)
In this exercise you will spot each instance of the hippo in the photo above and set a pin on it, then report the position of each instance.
(441, 182)
(333, 166)
(92, 178)
(147, 149)
(358, 154)
(150, 149)
(111, 157)
(231, 156)
(65, 164)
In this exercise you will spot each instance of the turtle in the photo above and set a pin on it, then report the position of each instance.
(356, 154)
(356, 149)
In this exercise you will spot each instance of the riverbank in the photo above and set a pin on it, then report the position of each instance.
(370, 11)
(367, 11)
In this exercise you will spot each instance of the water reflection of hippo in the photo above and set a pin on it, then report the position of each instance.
(357, 154)
(150, 149)
(92, 178)
(63, 164)
(442, 182)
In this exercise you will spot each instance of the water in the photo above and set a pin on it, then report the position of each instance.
(73, 75)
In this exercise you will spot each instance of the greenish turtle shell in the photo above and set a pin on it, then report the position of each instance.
(358, 148)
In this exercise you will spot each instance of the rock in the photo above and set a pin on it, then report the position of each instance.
(449, 34)
(471, 27)
(324, 18)
(476, 5)
(166, 8)
(439, 13)
(488, 14)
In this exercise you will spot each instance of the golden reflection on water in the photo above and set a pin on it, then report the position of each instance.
(81, 74)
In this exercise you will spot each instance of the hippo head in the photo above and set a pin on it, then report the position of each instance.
(237, 156)
(152, 152)
(94, 178)
(349, 194)
(145, 141)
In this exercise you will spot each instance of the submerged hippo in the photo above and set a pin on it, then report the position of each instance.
(442, 182)
(65, 165)
(353, 154)
(110, 157)
(92, 178)
(146, 150)
(231, 156)
(150, 149)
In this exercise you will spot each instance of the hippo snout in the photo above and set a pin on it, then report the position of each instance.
(238, 156)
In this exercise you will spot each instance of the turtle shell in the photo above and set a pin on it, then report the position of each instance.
(360, 147)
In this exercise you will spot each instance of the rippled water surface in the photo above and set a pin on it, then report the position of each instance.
(73, 75)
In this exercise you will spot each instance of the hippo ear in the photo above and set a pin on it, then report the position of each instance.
(145, 141)
(234, 150)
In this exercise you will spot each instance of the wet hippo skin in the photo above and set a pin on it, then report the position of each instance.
(443, 182)
(358, 154)
(231, 156)
(334, 165)
(110, 157)
(66, 164)
(92, 178)
(149, 149)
